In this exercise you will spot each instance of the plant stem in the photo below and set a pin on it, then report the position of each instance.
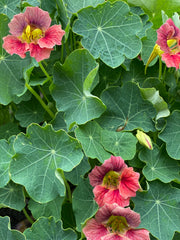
(45, 72)
(43, 93)
(40, 100)
(27, 216)
(69, 196)
(160, 68)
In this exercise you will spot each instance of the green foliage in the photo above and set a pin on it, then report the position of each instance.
(159, 205)
(109, 32)
(64, 116)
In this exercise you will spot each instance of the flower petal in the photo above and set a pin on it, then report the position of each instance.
(167, 31)
(97, 174)
(113, 196)
(94, 230)
(13, 45)
(17, 25)
(39, 53)
(99, 194)
(138, 234)
(113, 236)
(53, 36)
(171, 60)
(37, 17)
(129, 183)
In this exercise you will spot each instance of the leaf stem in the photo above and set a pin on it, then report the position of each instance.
(45, 72)
(27, 216)
(68, 189)
(160, 68)
(40, 100)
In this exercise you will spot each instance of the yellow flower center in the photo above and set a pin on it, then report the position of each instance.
(117, 224)
(173, 45)
(111, 180)
(31, 34)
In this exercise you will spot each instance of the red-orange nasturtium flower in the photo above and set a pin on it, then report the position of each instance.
(114, 182)
(113, 222)
(31, 32)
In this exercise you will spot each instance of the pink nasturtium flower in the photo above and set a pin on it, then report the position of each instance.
(113, 222)
(31, 32)
(114, 182)
(168, 38)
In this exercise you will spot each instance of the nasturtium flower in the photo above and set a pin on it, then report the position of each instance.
(31, 32)
(168, 39)
(144, 139)
(114, 182)
(113, 222)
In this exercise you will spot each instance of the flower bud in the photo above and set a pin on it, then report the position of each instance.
(144, 139)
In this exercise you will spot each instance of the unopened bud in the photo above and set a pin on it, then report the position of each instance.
(144, 139)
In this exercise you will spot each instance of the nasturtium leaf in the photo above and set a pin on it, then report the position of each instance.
(74, 6)
(73, 83)
(107, 77)
(28, 112)
(58, 122)
(126, 109)
(119, 143)
(8, 129)
(159, 208)
(52, 208)
(6, 153)
(76, 175)
(159, 165)
(109, 32)
(83, 198)
(171, 135)
(11, 69)
(136, 72)
(6, 233)
(9, 7)
(154, 7)
(152, 95)
(90, 137)
(38, 154)
(12, 196)
(145, 20)
(47, 228)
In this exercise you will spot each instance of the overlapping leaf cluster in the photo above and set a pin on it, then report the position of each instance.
(100, 96)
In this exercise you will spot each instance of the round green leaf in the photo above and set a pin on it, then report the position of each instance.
(6, 233)
(38, 154)
(74, 6)
(12, 196)
(9, 7)
(159, 208)
(73, 83)
(90, 137)
(119, 143)
(159, 165)
(47, 228)
(83, 202)
(171, 135)
(109, 32)
(28, 112)
(52, 208)
(154, 8)
(76, 175)
(126, 109)
(6, 153)
(11, 69)
(8, 129)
